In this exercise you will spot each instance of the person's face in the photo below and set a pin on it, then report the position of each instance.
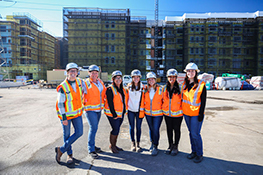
(94, 75)
(72, 74)
(136, 79)
(190, 73)
(151, 81)
(117, 80)
(172, 79)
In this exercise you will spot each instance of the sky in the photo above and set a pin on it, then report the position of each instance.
(50, 12)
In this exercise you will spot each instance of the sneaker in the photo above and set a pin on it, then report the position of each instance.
(192, 155)
(94, 155)
(70, 159)
(198, 159)
(98, 150)
(151, 148)
(154, 151)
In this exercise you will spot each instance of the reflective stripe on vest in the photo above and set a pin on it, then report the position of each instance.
(171, 112)
(96, 105)
(69, 106)
(118, 112)
(195, 96)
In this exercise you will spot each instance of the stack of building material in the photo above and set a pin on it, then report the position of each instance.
(257, 82)
(206, 77)
(228, 83)
(181, 77)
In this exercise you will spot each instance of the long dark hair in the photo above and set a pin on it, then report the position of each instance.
(121, 85)
(133, 87)
(186, 79)
(175, 90)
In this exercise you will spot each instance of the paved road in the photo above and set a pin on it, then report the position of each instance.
(232, 135)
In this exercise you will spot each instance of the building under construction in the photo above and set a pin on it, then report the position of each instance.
(105, 37)
(27, 50)
(217, 42)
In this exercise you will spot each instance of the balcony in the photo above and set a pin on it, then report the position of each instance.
(148, 67)
(148, 57)
(26, 36)
(148, 46)
(148, 35)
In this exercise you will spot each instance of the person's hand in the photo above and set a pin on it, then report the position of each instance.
(114, 117)
(65, 122)
(200, 117)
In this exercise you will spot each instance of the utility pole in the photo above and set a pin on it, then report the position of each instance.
(156, 37)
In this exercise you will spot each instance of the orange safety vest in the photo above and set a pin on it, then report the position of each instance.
(153, 107)
(117, 101)
(171, 107)
(94, 99)
(142, 113)
(73, 103)
(191, 101)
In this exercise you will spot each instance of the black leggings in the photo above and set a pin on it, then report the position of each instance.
(173, 124)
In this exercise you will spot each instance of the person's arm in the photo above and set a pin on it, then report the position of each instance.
(61, 104)
(203, 103)
(109, 95)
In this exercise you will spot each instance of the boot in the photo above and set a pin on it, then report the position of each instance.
(133, 146)
(118, 148)
(58, 154)
(139, 149)
(174, 150)
(112, 146)
(169, 150)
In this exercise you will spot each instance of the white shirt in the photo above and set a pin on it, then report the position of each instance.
(152, 92)
(134, 99)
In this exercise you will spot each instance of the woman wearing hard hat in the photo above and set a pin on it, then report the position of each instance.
(93, 104)
(193, 105)
(135, 108)
(172, 110)
(116, 105)
(69, 109)
(153, 110)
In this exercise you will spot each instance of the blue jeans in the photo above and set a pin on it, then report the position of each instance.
(93, 120)
(194, 127)
(69, 140)
(132, 116)
(154, 123)
(115, 125)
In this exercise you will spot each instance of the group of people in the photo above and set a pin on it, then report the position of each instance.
(152, 101)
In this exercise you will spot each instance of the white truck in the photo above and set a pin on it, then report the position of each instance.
(126, 79)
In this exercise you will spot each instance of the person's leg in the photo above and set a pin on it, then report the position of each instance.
(156, 129)
(92, 118)
(119, 123)
(138, 126)
(149, 120)
(188, 123)
(169, 129)
(78, 127)
(195, 132)
(177, 121)
(66, 135)
(131, 118)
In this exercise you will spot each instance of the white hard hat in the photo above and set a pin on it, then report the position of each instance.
(72, 66)
(136, 72)
(94, 67)
(171, 72)
(116, 73)
(151, 75)
(191, 66)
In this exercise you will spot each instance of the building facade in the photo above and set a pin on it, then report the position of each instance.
(28, 51)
